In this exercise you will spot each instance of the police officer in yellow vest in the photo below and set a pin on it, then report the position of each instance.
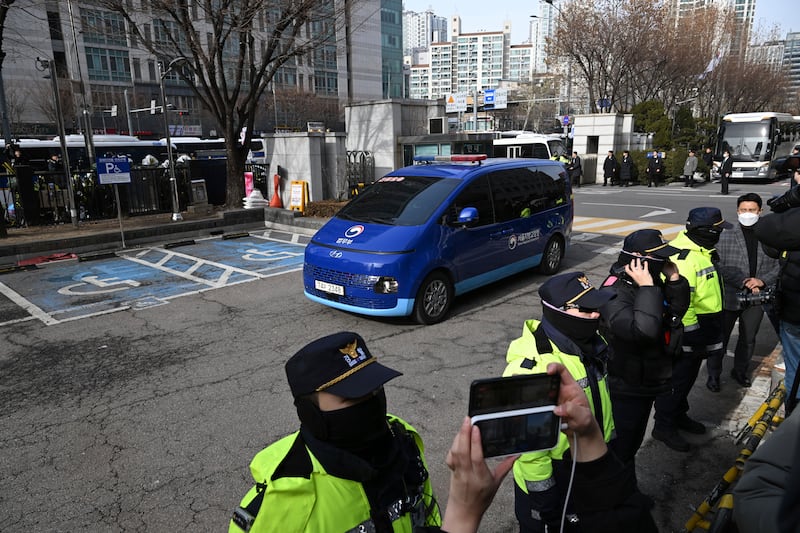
(351, 466)
(567, 334)
(702, 323)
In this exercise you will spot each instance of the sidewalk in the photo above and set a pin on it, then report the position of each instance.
(35, 244)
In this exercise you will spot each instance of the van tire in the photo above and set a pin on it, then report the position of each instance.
(434, 298)
(552, 256)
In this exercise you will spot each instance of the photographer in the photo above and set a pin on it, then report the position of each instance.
(780, 237)
(747, 273)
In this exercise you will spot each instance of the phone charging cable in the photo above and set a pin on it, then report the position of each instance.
(571, 479)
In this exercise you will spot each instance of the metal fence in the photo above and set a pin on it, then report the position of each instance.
(30, 197)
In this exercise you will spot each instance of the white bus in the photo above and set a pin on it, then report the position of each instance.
(754, 141)
(37, 151)
(534, 145)
(214, 148)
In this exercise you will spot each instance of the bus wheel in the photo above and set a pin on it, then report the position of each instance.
(552, 256)
(434, 298)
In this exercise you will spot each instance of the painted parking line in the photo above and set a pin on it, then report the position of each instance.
(141, 278)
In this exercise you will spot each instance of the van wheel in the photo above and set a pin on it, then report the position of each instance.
(552, 256)
(434, 298)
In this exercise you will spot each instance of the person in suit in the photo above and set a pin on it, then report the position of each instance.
(626, 169)
(575, 170)
(610, 168)
(655, 169)
(725, 170)
(708, 159)
(744, 268)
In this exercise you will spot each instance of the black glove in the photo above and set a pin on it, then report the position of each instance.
(784, 202)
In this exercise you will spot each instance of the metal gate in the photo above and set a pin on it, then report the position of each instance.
(360, 171)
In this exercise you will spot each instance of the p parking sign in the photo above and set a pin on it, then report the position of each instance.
(112, 170)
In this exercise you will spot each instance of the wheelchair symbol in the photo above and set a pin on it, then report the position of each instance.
(98, 286)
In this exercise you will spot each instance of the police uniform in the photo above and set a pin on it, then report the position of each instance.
(702, 322)
(540, 477)
(321, 478)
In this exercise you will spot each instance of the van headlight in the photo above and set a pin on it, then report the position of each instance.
(763, 169)
(385, 285)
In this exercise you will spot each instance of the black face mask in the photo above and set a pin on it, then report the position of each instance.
(704, 236)
(353, 428)
(582, 331)
(654, 265)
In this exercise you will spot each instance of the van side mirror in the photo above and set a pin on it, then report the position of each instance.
(467, 216)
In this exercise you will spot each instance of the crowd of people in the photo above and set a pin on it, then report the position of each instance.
(624, 350)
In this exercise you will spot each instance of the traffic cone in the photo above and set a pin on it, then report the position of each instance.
(276, 197)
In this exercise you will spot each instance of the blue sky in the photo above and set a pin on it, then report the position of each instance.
(488, 15)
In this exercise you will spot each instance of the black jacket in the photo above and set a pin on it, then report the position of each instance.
(643, 328)
(610, 167)
(626, 169)
(780, 238)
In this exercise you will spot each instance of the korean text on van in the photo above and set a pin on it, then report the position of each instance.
(423, 234)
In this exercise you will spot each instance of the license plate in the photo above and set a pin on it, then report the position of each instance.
(737, 174)
(328, 287)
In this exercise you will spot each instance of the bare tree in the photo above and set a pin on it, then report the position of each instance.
(234, 50)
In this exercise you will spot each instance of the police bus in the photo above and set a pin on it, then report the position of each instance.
(214, 148)
(534, 145)
(754, 141)
(36, 152)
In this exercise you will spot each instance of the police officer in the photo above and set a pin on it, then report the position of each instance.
(702, 323)
(567, 334)
(350, 467)
(643, 328)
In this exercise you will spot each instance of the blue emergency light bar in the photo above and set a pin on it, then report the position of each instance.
(456, 158)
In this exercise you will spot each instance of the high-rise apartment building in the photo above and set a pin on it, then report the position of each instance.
(422, 29)
(791, 62)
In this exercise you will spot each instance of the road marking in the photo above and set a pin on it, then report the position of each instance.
(34, 310)
(656, 210)
(105, 286)
(614, 226)
(221, 281)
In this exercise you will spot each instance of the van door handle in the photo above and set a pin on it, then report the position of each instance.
(501, 233)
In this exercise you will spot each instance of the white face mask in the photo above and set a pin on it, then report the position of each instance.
(748, 219)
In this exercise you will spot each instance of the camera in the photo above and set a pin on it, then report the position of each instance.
(748, 299)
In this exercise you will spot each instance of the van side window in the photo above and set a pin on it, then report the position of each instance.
(476, 195)
(510, 189)
(556, 183)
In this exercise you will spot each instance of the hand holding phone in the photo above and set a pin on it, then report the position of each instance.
(515, 414)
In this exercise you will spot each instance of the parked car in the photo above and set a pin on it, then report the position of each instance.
(423, 234)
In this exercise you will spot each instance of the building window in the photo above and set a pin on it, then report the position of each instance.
(102, 27)
(107, 65)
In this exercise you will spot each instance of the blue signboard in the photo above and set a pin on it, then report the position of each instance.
(113, 170)
(488, 98)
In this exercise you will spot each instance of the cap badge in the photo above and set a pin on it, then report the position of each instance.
(584, 281)
(353, 354)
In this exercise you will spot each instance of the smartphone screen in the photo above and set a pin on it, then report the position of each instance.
(515, 414)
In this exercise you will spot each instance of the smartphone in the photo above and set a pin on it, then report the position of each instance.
(515, 414)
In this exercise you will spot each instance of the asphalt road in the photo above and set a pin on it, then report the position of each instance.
(145, 418)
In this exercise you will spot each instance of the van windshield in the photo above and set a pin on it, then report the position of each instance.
(399, 200)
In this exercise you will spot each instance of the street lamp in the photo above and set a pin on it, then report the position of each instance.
(43, 64)
(176, 208)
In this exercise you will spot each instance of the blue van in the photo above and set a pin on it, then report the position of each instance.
(423, 234)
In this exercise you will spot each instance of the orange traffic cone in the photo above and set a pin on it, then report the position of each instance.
(276, 201)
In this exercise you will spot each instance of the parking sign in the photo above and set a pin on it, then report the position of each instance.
(113, 170)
